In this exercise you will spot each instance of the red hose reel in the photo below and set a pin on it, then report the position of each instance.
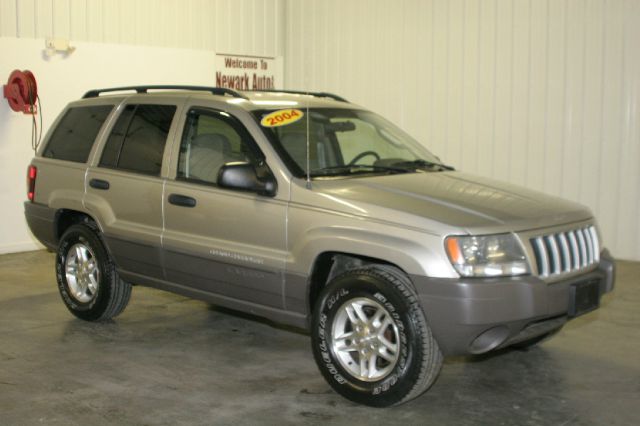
(21, 92)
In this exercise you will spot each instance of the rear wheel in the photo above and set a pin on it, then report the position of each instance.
(87, 280)
(371, 339)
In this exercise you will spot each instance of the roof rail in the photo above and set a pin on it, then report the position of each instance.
(316, 94)
(143, 89)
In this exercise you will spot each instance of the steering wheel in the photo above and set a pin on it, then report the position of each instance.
(362, 155)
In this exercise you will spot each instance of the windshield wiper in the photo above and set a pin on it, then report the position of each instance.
(423, 163)
(356, 168)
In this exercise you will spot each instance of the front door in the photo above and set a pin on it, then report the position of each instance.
(220, 241)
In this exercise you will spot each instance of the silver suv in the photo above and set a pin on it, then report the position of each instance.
(311, 211)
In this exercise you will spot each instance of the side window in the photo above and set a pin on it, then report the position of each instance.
(210, 140)
(138, 138)
(73, 138)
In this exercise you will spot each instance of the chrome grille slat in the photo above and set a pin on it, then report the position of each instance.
(583, 248)
(565, 252)
(596, 243)
(555, 254)
(587, 239)
(575, 252)
(542, 258)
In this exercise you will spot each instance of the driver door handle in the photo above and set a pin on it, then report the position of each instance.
(182, 200)
(99, 184)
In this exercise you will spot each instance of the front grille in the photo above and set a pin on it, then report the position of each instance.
(566, 252)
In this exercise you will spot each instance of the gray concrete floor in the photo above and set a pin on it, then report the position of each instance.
(168, 360)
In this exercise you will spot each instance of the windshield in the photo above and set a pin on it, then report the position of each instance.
(343, 142)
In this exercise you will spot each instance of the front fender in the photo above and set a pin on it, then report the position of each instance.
(416, 253)
(417, 258)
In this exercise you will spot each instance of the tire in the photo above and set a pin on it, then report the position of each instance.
(87, 279)
(371, 317)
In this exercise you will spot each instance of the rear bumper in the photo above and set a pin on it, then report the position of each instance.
(41, 221)
(478, 315)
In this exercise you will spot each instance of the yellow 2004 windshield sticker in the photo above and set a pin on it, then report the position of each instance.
(281, 117)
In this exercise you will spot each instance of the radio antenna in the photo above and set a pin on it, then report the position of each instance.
(308, 144)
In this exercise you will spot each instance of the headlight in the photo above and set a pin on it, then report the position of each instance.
(487, 255)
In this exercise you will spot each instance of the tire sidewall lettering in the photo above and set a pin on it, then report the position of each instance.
(333, 299)
(324, 351)
(404, 349)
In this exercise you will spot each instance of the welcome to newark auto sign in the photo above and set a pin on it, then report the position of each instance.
(248, 72)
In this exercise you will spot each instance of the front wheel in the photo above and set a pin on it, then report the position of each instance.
(87, 279)
(371, 339)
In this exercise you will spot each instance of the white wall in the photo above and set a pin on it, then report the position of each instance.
(250, 27)
(540, 93)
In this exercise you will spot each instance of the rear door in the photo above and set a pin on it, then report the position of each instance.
(124, 188)
(221, 241)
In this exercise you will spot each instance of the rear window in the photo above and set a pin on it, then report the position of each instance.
(138, 138)
(73, 138)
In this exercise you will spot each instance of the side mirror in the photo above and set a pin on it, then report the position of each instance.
(243, 176)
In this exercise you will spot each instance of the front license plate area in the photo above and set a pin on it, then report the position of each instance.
(584, 297)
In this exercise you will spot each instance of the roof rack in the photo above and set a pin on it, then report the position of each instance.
(143, 89)
(316, 94)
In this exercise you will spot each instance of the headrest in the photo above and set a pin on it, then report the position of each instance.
(215, 141)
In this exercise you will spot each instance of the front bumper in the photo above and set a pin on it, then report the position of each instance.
(478, 315)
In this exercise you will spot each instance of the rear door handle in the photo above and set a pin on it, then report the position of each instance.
(182, 200)
(99, 184)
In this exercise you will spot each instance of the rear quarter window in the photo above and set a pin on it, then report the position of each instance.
(74, 136)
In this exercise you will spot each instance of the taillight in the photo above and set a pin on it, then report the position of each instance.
(31, 182)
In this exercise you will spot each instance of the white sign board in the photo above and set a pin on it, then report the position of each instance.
(248, 72)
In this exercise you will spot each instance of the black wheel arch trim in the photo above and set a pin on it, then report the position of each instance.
(329, 264)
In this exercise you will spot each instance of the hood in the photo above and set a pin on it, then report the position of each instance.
(452, 198)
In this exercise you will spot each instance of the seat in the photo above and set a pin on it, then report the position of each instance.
(320, 153)
(207, 153)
